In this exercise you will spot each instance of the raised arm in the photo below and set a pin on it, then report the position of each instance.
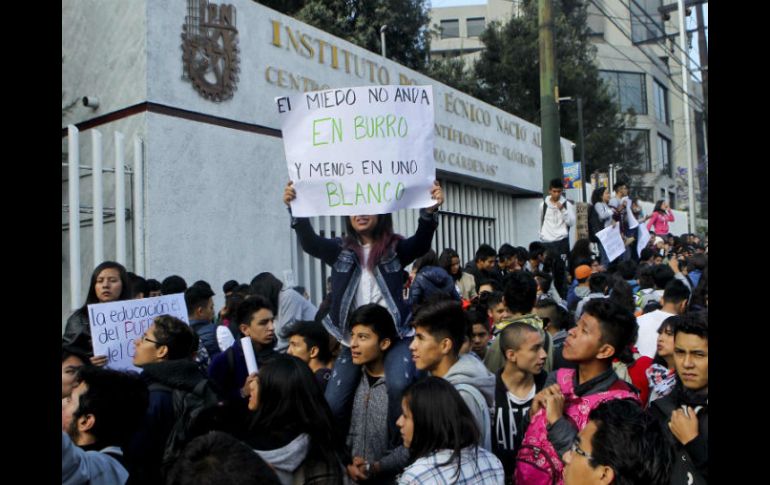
(413, 247)
(325, 249)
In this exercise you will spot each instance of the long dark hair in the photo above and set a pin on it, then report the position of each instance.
(445, 261)
(125, 291)
(658, 207)
(442, 420)
(597, 195)
(267, 285)
(668, 323)
(290, 398)
(382, 236)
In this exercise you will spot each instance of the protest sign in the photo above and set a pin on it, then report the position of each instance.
(363, 150)
(572, 178)
(611, 241)
(644, 238)
(115, 325)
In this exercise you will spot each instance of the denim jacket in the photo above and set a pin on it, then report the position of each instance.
(346, 272)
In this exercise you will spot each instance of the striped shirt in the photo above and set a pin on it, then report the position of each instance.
(475, 469)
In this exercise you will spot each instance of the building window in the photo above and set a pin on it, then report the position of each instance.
(628, 89)
(646, 21)
(643, 193)
(664, 155)
(672, 200)
(636, 155)
(450, 29)
(475, 26)
(660, 96)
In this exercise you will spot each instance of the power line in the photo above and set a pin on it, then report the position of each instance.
(662, 30)
(681, 89)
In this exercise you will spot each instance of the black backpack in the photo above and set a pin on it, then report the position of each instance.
(196, 412)
(594, 224)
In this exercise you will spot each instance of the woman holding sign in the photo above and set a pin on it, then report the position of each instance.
(367, 267)
(109, 282)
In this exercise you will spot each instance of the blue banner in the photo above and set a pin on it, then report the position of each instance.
(572, 179)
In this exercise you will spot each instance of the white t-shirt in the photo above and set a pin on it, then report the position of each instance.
(368, 291)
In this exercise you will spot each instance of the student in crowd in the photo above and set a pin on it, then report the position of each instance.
(200, 313)
(557, 321)
(560, 410)
(684, 412)
(535, 257)
(429, 279)
(557, 215)
(440, 329)
(173, 284)
(497, 310)
(480, 334)
(506, 260)
(227, 329)
(620, 445)
(309, 341)
(228, 369)
(220, 458)
(516, 385)
(98, 418)
(109, 282)
(367, 268)
(72, 360)
(598, 284)
(153, 288)
(165, 352)
(519, 296)
(138, 286)
(675, 298)
(660, 217)
(579, 288)
(661, 375)
(661, 275)
(375, 456)
(292, 428)
(465, 283)
(443, 438)
(290, 305)
(483, 265)
(600, 199)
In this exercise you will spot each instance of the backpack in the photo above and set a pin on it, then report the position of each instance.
(537, 462)
(567, 202)
(195, 412)
(486, 425)
(594, 224)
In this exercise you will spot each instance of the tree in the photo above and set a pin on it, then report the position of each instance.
(359, 21)
(507, 76)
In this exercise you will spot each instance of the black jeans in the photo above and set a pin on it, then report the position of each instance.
(559, 269)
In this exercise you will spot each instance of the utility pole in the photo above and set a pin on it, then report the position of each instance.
(686, 88)
(549, 93)
(583, 164)
(704, 62)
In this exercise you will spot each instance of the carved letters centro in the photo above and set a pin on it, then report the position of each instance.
(210, 49)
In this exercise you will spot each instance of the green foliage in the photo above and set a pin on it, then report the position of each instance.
(508, 76)
(359, 21)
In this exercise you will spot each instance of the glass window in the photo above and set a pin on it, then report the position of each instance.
(637, 152)
(660, 95)
(628, 89)
(475, 26)
(450, 29)
(643, 193)
(664, 155)
(646, 21)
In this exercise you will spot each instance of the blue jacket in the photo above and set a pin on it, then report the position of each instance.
(207, 332)
(346, 272)
(429, 281)
(231, 378)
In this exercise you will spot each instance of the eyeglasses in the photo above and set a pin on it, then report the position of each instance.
(145, 339)
(575, 448)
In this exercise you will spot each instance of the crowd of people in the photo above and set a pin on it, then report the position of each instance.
(539, 365)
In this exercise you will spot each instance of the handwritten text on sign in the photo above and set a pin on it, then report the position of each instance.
(115, 325)
(364, 150)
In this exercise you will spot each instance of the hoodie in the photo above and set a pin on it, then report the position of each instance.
(471, 371)
(285, 460)
(556, 223)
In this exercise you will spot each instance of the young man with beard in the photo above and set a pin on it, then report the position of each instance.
(516, 386)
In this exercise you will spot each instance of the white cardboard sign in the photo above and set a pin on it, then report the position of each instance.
(644, 238)
(362, 150)
(115, 325)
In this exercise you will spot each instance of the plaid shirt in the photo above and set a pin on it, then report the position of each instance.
(481, 469)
